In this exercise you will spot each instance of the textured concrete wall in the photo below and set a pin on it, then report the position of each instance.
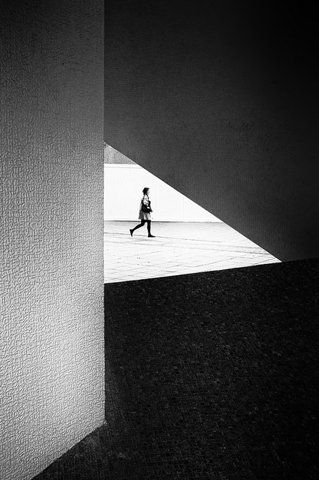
(51, 352)
(113, 156)
(220, 99)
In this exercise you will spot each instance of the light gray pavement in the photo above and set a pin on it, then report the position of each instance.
(178, 248)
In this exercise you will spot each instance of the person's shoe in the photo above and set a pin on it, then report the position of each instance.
(152, 236)
(131, 232)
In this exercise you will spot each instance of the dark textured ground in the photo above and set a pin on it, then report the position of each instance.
(209, 376)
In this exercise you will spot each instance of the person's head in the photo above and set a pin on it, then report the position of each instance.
(146, 191)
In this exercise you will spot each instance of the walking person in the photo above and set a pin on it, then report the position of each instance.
(144, 213)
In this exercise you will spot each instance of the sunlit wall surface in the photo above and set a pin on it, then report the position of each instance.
(123, 184)
(51, 278)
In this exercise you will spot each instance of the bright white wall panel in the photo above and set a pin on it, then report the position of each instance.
(123, 186)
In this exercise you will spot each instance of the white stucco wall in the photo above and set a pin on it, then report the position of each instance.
(51, 276)
(123, 186)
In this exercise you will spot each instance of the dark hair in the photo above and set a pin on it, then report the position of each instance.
(145, 190)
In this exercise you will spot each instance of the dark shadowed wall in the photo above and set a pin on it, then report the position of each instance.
(51, 236)
(219, 99)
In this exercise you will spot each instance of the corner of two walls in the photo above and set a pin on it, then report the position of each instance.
(52, 322)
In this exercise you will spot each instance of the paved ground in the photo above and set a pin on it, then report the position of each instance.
(210, 376)
(178, 248)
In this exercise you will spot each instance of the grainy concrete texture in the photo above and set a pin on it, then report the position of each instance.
(209, 376)
(51, 248)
